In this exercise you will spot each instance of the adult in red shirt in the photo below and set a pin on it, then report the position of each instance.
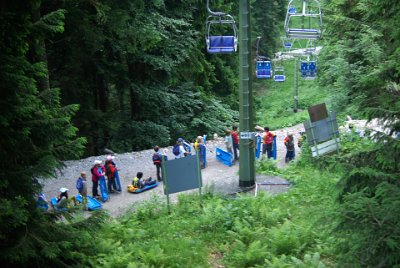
(110, 173)
(268, 140)
(97, 172)
(235, 141)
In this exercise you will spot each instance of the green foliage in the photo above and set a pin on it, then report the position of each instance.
(365, 78)
(290, 230)
(277, 104)
(36, 134)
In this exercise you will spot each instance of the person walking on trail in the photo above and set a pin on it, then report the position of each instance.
(290, 148)
(268, 140)
(81, 186)
(179, 150)
(157, 161)
(97, 172)
(201, 149)
(235, 141)
(110, 173)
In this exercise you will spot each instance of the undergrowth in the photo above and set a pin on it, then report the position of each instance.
(287, 230)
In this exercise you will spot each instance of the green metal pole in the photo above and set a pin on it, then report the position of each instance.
(247, 155)
(296, 84)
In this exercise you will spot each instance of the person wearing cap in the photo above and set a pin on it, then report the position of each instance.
(97, 172)
(81, 186)
(110, 168)
(63, 200)
(180, 149)
(289, 143)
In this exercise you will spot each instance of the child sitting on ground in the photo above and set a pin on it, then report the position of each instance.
(140, 182)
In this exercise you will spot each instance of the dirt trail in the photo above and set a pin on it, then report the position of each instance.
(220, 177)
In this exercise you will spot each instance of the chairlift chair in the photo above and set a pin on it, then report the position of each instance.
(263, 65)
(292, 10)
(312, 70)
(219, 43)
(287, 43)
(295, 24)
(279, 74)
(308, 69)
(263, 69)
(304, 68)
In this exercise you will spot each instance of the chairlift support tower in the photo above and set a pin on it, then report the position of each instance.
(247, 156)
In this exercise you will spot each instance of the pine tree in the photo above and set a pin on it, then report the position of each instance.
(36, 134)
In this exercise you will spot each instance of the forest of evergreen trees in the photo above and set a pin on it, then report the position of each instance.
(77, 76)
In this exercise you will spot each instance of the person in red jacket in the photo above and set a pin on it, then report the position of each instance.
(97, 172)
(268, 140)
(110, 173)
(235, 142)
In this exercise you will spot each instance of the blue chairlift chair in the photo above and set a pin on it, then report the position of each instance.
(263, 69)
(295, 24)
(279, 74)
(292, 10)
(312, 70)
(216, 23)
(304, 68)
(263, 64)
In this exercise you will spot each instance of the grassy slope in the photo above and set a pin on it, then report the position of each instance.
(277, 99)
(283, 231)
(289, 230)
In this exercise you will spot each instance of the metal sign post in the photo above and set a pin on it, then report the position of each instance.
(246, 163)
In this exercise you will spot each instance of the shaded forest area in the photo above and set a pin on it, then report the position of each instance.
(139, 71)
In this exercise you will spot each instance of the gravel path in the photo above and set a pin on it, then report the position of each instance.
(222, 178)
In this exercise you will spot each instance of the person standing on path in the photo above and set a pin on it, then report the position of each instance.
(201, 149)
(97, 172)
(110, 173)
(268, 140)
(81, 186)
(178, 149)
(157, 161)
(289, 143)
(235, 141)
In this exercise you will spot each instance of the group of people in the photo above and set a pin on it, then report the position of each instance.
(267, 137)
(98, 170)
(268, 141)
(181, 149)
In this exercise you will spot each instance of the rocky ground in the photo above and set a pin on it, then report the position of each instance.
(219, 177)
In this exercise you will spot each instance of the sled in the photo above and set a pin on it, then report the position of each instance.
(117, 181)
(103, 189)
(135, 190)
(92, 203)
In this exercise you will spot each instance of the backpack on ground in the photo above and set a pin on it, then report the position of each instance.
(156, 159)
(176, 150)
